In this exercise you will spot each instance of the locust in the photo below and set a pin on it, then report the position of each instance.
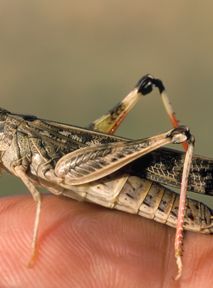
(93, 165)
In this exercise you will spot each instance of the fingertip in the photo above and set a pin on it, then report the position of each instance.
(73, 237)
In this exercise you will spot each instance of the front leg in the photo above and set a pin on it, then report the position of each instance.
(20, 172)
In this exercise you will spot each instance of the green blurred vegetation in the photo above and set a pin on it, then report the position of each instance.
(71, 61)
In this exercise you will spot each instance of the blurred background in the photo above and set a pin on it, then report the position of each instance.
(71, 61)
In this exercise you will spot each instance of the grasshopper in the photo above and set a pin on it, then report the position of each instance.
(115, 172)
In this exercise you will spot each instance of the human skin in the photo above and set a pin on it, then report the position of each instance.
(84, 245)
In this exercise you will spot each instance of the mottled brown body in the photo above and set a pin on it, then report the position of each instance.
(40, 146)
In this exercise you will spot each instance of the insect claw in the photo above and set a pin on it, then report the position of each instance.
(179, 266)
(32, 258)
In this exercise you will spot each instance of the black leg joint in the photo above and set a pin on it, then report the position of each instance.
(184, 130)
(146, 84)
